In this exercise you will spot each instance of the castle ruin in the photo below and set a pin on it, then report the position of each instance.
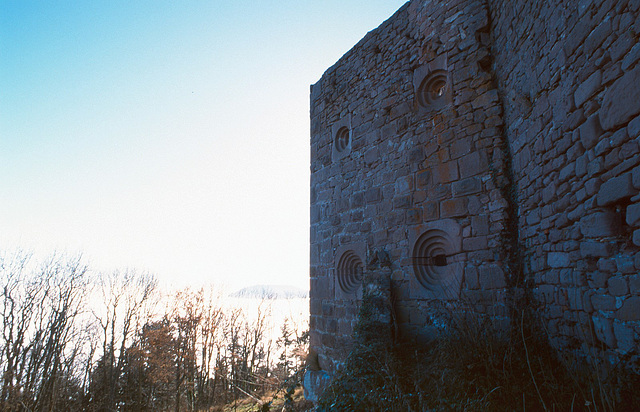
(473, 150)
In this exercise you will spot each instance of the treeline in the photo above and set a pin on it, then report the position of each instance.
(75, 340)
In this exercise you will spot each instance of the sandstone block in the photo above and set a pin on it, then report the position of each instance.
(371, 156)
(401, 202)
(578, 212)
(414, 216)
(474, 243)
(635, 177)
(480, 225)
(445, 172)
(599, 224)
(472, 164)
(532, 217)
(549, 193)
(633, 215)
(474, 204)
(636, 237)
(632, 56)
(594, 249)
(621, 46)
(373, 195)
(597, 280)
(558, 259)
(633, 128)
(620, 102)
(590, 132)
(400, 110)
(416, 155)
(617, 286)
(453, 207)
(423, 179)
(460, 147)
(581, 165)
(431, 211)
(588, 88)
(404, 184)
(616, 189)
(597, 36)
(607, 265)
(567, 171)
(486, 99)
(466, 186)
(630, 309)
(603, 302)
(357, 200)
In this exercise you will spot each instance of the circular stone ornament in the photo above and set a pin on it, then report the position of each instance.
(430, 258)
(342, 139)
(433, 89)
(349, 272)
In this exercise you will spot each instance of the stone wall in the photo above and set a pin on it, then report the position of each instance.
(569, 75)
(464, 147)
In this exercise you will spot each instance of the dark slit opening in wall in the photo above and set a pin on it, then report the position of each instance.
(440, 260)
(437, 260)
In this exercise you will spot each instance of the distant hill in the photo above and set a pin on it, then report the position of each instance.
(270, 292)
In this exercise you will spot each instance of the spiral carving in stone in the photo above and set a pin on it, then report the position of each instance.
(349, 272)
(431, 258)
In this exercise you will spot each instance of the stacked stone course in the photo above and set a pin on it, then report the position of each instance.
(575, 144)
(541, 98)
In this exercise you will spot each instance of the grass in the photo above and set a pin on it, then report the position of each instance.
(271, 401)
(473, 365)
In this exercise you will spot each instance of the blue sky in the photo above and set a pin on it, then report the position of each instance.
(169, 136)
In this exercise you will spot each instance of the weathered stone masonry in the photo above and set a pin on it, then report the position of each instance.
(470, 140)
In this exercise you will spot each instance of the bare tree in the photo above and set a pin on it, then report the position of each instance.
(40, 310)
(126, 301)
(210, 342)
(187, 315)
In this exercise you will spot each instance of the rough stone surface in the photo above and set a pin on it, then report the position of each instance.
(630, 309)
(616, 189)
(620, 102)
(588, 88)
(590, 132)
(314, 384)
(558, 260)
(594, 249)
(633, 215)
(599, 224)
(554, 82)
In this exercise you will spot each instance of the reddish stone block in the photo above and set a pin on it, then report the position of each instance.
(445, 172)
(474, 243)
(472, 164)
(453, 207)
(466, 186)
